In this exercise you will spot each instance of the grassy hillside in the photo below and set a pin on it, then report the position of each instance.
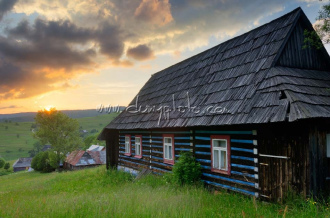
(98, 193)
(16, 137)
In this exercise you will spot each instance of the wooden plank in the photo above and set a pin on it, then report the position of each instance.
(225, 132)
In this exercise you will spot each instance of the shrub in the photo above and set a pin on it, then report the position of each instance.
(2, 162)
(7, 166)
(186, 170)
(44, 162)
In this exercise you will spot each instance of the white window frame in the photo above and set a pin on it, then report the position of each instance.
(166, 148)
(138, 147)
(218, 169)
(219, 149)
(128, 149)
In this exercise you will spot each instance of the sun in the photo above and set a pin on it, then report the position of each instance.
(48, 107)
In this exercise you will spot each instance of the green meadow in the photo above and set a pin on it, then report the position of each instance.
(97, 192)
(16, 137)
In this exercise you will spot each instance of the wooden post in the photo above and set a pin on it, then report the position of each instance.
(112, 151)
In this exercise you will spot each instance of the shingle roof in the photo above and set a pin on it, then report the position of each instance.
(95, 148)
(23, 162)
(241, 78)
(85, 158)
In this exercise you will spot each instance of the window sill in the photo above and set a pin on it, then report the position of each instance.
(138, 156)
(127, 154)
(225, 172)
(171, 162)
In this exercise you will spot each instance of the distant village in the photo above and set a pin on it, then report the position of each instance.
(95, 155)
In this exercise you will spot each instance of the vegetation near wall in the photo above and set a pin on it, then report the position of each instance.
(186, 170)
(99, 193)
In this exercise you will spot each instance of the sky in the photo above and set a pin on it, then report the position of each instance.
(74, 54)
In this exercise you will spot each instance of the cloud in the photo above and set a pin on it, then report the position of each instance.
(35, 57)
(5, 6)
(157, 12)
(9, 107)
(69, 38)
(140, 53)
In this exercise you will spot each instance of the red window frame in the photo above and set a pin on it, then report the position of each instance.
(167, 161)
(138, 156)
(130, 146)
(227, 138)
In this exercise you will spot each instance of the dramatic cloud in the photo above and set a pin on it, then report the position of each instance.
(59, 40)
(154, 11)
(140, 53)
(36, 58)
(5, 6)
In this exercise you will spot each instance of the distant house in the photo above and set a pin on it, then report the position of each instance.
(254, 111)
(96, 148)
(82, 159)
(46, 147)
(22, 164)
(84, 131)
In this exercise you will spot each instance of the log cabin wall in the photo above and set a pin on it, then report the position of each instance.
(319, 162)
(284, 160)
(243, 175)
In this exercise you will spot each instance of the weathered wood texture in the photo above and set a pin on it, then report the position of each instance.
(279, 176)
(112, 149)
(305, 170)
(319, 163)
(295, 55)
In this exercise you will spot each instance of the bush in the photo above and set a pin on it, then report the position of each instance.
(2, 162)
(44, 162)
(7, 166)
(186, 170)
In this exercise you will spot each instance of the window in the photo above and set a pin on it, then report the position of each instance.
(168, 149)
(128, 149)
(138, 146)
(328, 145)
(220, 154)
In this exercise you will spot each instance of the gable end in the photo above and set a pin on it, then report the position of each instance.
(294, 55)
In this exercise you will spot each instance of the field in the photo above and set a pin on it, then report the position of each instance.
(100, 193)
(16, 137)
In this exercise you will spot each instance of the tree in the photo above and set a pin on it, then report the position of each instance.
(59, 130)
(2, 162)
(37, 146)
(322, 28)
(7, 166)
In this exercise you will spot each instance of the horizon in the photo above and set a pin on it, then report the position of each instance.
(79, 55)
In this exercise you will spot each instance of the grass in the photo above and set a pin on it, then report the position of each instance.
(100, 193)
(16, 138)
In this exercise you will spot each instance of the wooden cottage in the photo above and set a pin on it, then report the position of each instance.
(79, 159)
(23, 164)
(254, 110)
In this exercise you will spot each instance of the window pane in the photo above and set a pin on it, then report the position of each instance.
(166, 152)
(168, 140)
(216, 159)
(137, 149)
(170, 152)
(223, 160)
(127, 147)
(137, 140)
(219, 143)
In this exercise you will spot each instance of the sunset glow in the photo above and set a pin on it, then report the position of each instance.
(80, 54)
